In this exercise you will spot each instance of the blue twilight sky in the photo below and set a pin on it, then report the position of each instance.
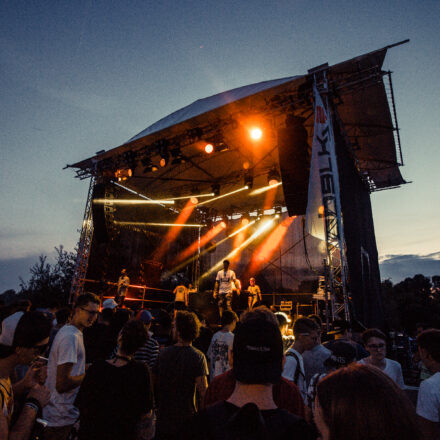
(78, 77)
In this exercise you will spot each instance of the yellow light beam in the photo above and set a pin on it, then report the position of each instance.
(132, 202)
(264, 227)
(223, 195)
(264, 189)
(242, 229)
(189, 197)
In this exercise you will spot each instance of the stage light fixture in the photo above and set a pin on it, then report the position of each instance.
(209, 148)
(273, 177)
(256, 133)
(163, 160)
(177, 156)
(194, 200)
(148, 165)
(123, 174)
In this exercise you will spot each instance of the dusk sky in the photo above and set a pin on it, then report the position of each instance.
(78, 77)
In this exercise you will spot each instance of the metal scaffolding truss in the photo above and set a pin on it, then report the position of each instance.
(84, 245)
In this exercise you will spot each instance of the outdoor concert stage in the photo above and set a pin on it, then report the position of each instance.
(223, 205)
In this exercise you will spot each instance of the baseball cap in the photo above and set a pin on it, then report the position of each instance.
(339, 326)
(145, 316)
(109, 304)
(343, 354)
(9, 325)
(258, 352)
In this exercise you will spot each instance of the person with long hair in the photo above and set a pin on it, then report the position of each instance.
(361, 402)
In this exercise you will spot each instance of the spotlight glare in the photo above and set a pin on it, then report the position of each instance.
(273, 182)
(256, 133)
(224, 195)
(264, 189)
(162, 162)
(194, 200)
(209, 148)
(223, 225)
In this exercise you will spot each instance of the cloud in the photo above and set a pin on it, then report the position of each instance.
(399, 267)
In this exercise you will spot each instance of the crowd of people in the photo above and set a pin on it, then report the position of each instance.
(102, 371)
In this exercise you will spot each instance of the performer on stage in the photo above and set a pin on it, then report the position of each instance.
(223, 287)
(181, 297)
(123, 283)
(254, 293)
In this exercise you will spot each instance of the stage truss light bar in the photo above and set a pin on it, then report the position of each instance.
(224, 195)
(264, 189)
(142, 196)
(180, 225)
(132, 202)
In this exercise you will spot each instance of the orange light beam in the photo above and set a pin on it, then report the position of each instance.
(270, 198)
(238, 241)
(174, 231)
(266, 249)
(192, 248)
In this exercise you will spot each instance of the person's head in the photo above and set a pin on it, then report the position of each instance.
(252, 282)
(86, 310)
(306, 334)
(123, 272)
(259, 313)
(132, 336)
(257, 353)
(229, 318)
(283, 322)
(25, 336)
(361, 402)
(316, 318)
(226, 264)
(23, 305)
(146, 317)
(429, 349)
(375, 342)
(342, 354)
(109, 303)
(186, 326)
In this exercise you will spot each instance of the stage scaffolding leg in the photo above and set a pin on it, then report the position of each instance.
(85, 242)
(336, 273)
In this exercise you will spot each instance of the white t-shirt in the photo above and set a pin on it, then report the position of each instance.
(67, 347)
(217, 354)
(392, 369)
(225, 281)
(289, 371)
(428, 400)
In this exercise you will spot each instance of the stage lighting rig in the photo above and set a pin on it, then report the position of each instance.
(123, 174)
(148, 165)
(177, 156)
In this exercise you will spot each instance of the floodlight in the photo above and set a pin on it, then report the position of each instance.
(273, 177)
(209, 148)
(256, 133)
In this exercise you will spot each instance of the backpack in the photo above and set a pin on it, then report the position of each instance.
(297, 369)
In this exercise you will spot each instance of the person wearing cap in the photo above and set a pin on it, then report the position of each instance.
(254, 294)
(149, 352)
(224, 283)
(250, 411)
(343, 354)
(306, 335)
(123, 283)
(341, 330)
(66, 368)
(24, 337)
(376, 344)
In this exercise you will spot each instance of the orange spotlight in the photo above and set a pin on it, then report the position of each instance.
(245, 221)
(209, 148)
(256, 133)
(223, 225)
(321, 210)
(194, 200)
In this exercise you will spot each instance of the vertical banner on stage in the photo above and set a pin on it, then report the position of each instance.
(324, 180)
